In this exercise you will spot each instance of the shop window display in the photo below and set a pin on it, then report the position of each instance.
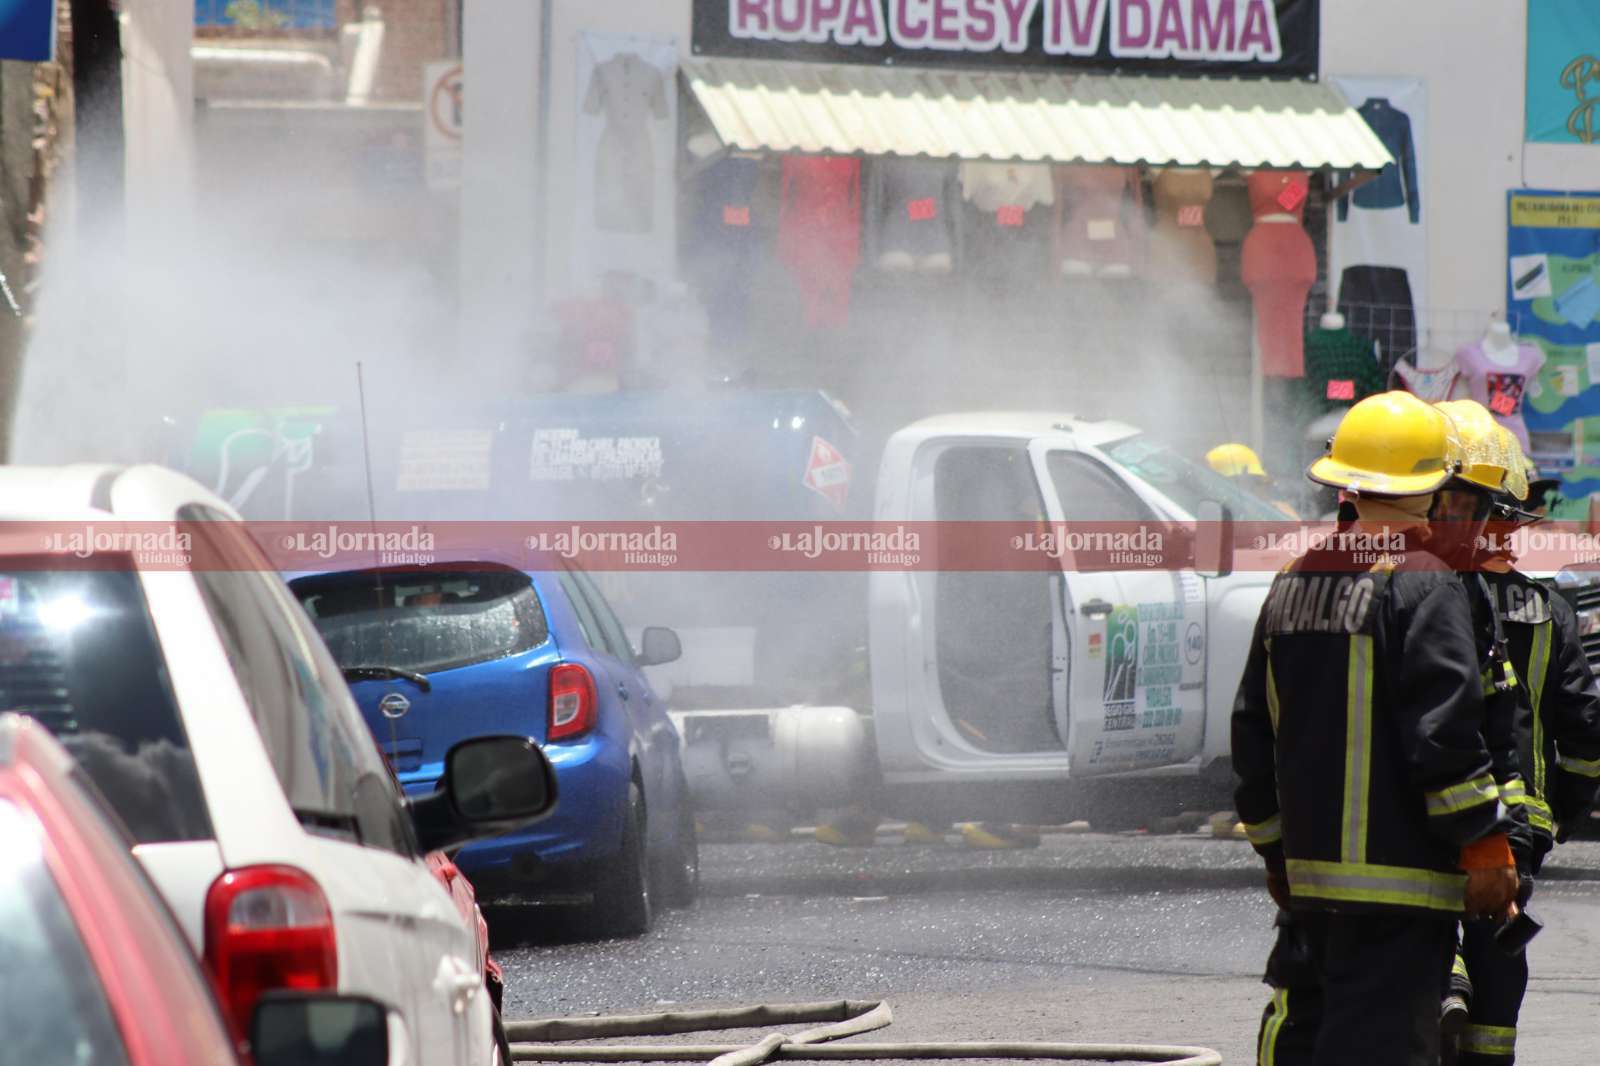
(1100, 226)
(1007, 219)
(1279, 266)
(910, 222)
(819, 233)
(1181, 247)
(1497, 370)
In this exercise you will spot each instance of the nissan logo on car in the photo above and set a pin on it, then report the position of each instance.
(394, 705)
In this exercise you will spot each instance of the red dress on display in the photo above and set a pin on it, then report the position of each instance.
(1099, 219)
(1279, 267)
(819, 233)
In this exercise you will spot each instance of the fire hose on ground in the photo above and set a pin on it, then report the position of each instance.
(551, 1040)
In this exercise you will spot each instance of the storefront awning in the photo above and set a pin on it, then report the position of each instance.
(812, 108)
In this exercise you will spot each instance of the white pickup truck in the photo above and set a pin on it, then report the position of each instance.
(1027, 696)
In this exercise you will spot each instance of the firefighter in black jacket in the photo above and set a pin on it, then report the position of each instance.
(1364, 780)
(1556, 731)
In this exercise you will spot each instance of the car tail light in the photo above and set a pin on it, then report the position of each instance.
(267, 927)
(572, 701)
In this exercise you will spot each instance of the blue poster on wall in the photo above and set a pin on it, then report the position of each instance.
(28, 30)
(1553, 301)
(1563, 71)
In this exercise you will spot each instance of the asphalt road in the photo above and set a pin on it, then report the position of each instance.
(1087, 938)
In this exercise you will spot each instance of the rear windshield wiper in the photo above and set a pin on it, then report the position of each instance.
(385, 673)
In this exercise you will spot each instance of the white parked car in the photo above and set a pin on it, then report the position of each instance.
(203, 705)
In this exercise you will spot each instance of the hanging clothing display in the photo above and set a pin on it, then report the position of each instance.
(995, 187)
(1181, 248)
(910, 211)
(1376, 302)
(1396, 184)
(1279, 266)
(1341, 369)
(630, 93)
(1501, 386)
(819, 232)
(1006, 221)
(729, 232)
(1099, 220)
(1433, 384)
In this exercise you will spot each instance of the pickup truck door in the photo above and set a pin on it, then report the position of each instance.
(1130, 640)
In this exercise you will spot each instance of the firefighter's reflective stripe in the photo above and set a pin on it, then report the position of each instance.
(1278, 1013)
(1540, 816)
(1359, 882)
(1581, 767)
(1489, 1040)
(1461, 797)
(1459, 968)
(1514, 793)
(1538, 668)
(1357, 750)
(1506, 680)
(1263, 833)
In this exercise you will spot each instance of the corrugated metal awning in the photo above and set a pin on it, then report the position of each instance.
(816, 108)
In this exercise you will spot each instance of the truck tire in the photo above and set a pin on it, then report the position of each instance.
(622, 898)
(680, 870)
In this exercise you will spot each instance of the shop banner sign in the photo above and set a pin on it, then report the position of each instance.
(1238, 37)
(1553, 301)
(1563, 71)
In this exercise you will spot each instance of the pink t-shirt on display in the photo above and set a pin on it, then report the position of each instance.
(1501, 387)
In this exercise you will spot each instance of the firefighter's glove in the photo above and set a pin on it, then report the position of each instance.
(1278, 886)
(1491, 878)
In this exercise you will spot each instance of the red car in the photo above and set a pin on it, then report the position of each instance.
(94, 967)
(466, 900)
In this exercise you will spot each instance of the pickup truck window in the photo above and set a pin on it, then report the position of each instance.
(1187, 483)
(1089, 493)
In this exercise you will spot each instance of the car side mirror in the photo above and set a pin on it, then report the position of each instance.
(1213, 540)
(491, 785)
(300, 1029)
(659, 645)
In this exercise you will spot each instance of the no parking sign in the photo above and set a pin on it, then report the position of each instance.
(441, 110)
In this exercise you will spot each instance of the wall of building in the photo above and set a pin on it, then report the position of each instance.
(1474, 71)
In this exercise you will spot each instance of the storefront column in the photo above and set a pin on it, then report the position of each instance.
(501, 177)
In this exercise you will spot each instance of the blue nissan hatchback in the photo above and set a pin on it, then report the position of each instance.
(440, 653)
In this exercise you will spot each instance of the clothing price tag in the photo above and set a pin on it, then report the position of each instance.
(1293, 194)
(735, 216)
(1342, 390)
(1009, 215)
(1192, 216)
(1505, 393)
(1102, 229)
(923, 210)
